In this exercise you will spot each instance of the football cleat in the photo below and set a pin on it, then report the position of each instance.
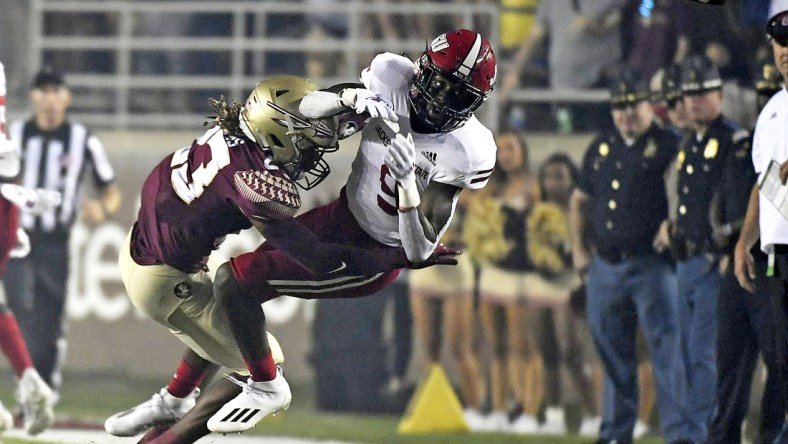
(256, 401)
(6, 419)
(36, 399)
(161, 408)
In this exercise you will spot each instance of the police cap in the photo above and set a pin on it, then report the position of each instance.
(699, 75)
(666, 84)
(768, 80)
(627, 88)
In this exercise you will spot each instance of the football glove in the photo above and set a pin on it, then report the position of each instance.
(366, 101)
(442, 255)
(401, 161)
(34, 202)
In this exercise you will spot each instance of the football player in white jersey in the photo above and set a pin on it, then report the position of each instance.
(420, 147)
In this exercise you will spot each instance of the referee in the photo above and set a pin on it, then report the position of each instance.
(56, 155)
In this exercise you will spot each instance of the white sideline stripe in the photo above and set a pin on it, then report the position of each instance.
(71, 436)
(323, 286)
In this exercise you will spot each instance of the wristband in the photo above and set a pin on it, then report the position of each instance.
(408, 194)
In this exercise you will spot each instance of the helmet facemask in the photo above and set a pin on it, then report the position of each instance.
(441, 100)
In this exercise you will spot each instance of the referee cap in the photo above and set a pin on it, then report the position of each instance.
(47, 77)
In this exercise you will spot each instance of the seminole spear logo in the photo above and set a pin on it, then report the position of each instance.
(321, 129)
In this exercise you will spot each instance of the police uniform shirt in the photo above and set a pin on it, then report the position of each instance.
(700, 164)
(770, 142)
(627, 188)
(738, 178)
(57, 160)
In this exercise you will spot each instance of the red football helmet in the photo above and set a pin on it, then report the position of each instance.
(453, 77)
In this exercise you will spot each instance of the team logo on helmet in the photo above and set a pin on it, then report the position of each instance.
(320, 128)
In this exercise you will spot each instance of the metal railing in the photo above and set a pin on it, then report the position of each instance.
(246, 46)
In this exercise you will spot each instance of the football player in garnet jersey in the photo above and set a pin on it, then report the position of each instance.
(242, 172)
(420, 148)
(34, 394)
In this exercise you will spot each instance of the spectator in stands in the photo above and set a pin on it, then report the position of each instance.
(585, 42)
(655, 33)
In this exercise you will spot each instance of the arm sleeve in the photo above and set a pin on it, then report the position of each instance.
(585, 183)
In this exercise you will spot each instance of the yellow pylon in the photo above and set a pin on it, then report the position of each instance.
(434, 407)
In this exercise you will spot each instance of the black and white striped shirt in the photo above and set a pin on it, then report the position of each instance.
(58, 160)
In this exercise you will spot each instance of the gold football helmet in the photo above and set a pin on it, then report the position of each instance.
(271, 118)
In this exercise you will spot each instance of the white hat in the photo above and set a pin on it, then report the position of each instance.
(777, 6)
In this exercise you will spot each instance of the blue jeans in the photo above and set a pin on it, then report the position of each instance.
(619, 295)
(699, 283)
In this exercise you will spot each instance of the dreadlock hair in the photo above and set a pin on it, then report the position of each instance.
(227, 116)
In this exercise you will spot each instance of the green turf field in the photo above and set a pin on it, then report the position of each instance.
(90, 399)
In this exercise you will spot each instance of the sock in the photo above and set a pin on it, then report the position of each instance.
(13, 345)
(185, 380)
(262, 370)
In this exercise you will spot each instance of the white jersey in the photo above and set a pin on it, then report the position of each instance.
(464, 157)
(770, 142)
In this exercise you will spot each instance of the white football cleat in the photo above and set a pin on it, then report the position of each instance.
(161, 408)
(256, 401)
(36, 399)
(6, 419)
(641, 429)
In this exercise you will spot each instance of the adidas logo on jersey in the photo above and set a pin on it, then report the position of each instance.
(432, 157)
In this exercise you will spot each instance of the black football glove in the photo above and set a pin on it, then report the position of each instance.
(442, 255)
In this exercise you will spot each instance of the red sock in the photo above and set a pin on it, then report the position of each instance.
(185, 380)
(262, 370)
(13, 345)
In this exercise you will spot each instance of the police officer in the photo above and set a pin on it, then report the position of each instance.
(745, 322)
(666, 94)
(700, 162)
(770, 143)
(622, 191)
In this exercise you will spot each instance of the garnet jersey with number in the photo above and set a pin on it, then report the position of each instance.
(464, 157)
(201, 193)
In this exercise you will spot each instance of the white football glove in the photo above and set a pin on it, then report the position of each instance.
(31, 201)
(401, 157)
(22, 247)
(364, 100)
(401, 160)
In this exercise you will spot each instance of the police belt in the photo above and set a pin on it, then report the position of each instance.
(683, 249)
(616, 255)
